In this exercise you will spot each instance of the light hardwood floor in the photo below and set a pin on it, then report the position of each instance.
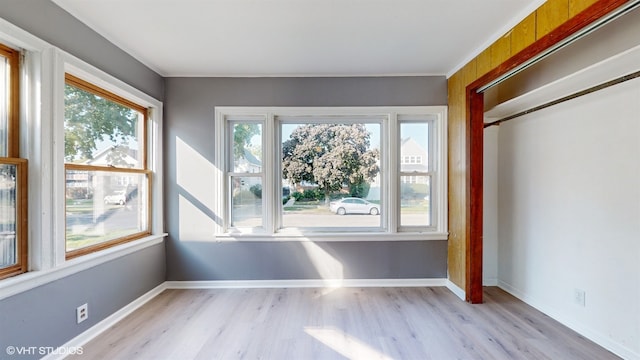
(348, 323)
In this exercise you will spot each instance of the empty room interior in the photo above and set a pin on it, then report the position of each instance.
(287, 179)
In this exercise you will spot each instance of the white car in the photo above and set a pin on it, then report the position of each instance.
(353, 205)
(119, 197)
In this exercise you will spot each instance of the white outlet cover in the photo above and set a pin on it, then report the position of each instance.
(82, 313)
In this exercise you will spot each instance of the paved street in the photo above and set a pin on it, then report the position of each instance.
(114, 219)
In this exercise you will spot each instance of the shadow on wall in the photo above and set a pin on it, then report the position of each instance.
(193, 254)
(194, 177)
(197, 220)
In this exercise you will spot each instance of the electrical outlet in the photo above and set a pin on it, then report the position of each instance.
(82, 313)
(579, 297)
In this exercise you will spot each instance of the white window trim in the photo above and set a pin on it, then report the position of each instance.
(433, 172)
(389, 141)
(42, 143)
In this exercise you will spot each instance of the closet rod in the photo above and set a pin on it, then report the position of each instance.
(566, 98)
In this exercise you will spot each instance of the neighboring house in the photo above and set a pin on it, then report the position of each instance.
(81, 184)
(248, 164)
(115, 155)
(413, 158)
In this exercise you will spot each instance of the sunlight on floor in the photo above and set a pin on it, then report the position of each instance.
(345, 344)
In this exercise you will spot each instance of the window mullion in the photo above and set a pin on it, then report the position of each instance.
(393, 167)
(439, 164)
(270, 173)
(58, 240)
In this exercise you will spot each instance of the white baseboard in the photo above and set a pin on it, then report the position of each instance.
(109, 321)
(309, 283)
(456, 290)
(595, 336)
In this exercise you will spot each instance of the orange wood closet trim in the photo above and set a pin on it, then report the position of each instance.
(475, 119)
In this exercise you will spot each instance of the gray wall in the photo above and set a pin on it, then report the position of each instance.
(51, 23)
(45, 316)
(192, 254)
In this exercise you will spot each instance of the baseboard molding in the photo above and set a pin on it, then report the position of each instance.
(109, 321)
(456, 290)
(595, 336)
(308, 283)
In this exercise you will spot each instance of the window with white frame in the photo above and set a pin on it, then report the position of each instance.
(245, 173)
(331, 171)
(416, 207)
(330, 166)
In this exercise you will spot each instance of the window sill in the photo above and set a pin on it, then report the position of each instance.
(32, 279)
(290, 236)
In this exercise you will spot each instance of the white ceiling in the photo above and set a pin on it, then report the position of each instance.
(301, 37)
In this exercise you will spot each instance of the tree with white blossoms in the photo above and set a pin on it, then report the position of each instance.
(329, 155)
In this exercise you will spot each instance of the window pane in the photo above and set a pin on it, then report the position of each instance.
(247, 148)
(324, 164)
(415, 201)
(414, 145)
(103, 206)
(8, 241)
(246, 202)
(101, 132)
(4, 104)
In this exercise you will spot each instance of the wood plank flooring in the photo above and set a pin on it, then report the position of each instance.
(348, 323)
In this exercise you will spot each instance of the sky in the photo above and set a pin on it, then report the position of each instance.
(417, 131)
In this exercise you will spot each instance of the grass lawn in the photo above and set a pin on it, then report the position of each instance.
(315, 207)
(80, 240)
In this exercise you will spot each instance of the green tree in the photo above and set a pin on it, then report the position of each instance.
(242, 134)
(90, 119)
(329, 155)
